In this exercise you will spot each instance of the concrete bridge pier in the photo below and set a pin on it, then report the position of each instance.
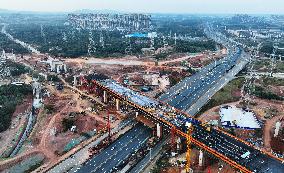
(75, 81)
(159, 130)
(178, 143)
(200, 158)
(81, 80)
(104, 96)
(117, 104)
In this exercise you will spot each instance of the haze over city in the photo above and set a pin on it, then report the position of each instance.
(150, 6)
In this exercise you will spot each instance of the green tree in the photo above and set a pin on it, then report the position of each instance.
(67, 123)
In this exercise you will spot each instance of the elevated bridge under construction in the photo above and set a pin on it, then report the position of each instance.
(237, 153)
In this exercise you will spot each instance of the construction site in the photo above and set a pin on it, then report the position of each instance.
(211, 111)
(70, 118)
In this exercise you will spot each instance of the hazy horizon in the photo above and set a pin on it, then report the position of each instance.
(149, 6)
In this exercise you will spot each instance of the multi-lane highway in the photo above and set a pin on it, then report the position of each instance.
(115, 154)
(188, 81)
(241, 153)
(195, 108)
(187, 92)
(192, 93)
(230, 149)
(140, 166)
(80, 156)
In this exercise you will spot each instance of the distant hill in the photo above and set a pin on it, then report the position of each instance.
(3, 10)
(97, 11)
(82, 11)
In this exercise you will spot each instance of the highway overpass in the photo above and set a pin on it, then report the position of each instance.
(230, 149)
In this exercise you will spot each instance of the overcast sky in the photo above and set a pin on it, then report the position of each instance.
(162, 6)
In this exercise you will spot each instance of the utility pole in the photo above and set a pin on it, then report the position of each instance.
(102, 42)
(42, 33)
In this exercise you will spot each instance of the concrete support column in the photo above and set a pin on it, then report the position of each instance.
(178, 143)
(52, 67)
(65, 68)
(34, 90)
(277, 128)
(81, 80)
(75, 81)
(105, 97)
(200, 160)
(159, 131)
(57, 69)
(117, 104)
(37, 93)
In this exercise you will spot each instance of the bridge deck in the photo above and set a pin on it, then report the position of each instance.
(224, 146)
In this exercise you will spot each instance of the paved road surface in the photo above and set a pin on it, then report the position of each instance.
(196, 107)
(187, 81)
(115, 154)
(189, 91)
(234, 150)
(79, 157)
(146, 160)
(243, 154)
(192, 93)
(25, 45)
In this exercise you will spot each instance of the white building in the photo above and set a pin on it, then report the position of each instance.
(232, 116)
(56, 65)
(3, 57)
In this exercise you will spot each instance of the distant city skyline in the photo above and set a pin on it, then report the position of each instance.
(150, 6)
